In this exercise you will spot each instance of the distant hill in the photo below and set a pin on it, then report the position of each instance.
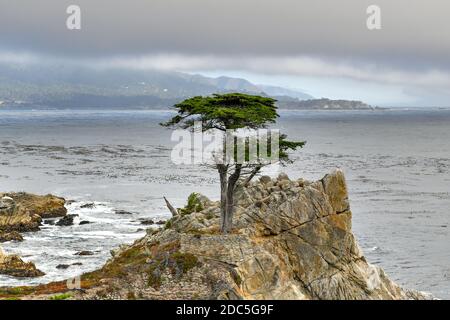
(79, 87)
(323, 104)
(284, 93)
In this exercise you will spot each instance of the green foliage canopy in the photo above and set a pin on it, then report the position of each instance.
(225, 111)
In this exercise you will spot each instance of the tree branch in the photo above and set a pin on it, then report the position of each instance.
(171, 208)
(253, 173)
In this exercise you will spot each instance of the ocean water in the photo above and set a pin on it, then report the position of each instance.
(397, 164)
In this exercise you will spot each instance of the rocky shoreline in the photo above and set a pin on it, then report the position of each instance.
(292, 239)
(19, 213)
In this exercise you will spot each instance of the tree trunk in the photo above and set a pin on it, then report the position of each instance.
(223, 194)
(171, 208)
(232, 180)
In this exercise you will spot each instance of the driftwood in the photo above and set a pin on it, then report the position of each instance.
(171, 208)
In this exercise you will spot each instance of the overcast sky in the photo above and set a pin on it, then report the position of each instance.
(320, 46)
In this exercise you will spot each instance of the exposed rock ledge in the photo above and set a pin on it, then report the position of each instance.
(12, 265)
(22, 212)
(292, 240)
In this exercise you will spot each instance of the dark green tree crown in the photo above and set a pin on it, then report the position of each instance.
(225, 111)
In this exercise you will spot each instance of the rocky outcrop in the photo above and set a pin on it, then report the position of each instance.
(48, 206)
(84, 253)
(13, 265)
(292, 239)
(23, 212)
(10, 236)
(66, 221)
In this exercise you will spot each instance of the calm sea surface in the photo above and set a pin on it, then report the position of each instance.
(397, 164)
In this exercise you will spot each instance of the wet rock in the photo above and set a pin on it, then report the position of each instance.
(84, 222)
(147, 221)
(66, 266)
(49, 222)
(161, 222)
(122, 212)
(66, 221)
(88, 206)
(10, 236)
(84, 253)
(13, 265)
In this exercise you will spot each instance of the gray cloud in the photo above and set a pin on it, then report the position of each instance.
(415, 33)
(321, 38)
(291, 65)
